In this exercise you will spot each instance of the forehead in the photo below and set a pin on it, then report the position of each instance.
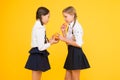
(67, 14)
(47, 14)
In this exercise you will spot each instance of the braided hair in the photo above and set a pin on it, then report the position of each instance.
(71, 10)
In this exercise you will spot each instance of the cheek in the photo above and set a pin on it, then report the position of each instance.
(67, 19)
(70, 18)
(46, 19)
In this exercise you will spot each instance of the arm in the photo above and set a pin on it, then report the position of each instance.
(70, 42)
(77, 31)
(64, 33)
(63, 29)
(40, 34)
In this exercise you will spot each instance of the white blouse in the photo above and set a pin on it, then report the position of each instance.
(77, 33)
(38, 37)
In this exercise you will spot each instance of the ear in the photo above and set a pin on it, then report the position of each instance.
(73, 15)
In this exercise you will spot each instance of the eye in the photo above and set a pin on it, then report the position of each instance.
(65, 16)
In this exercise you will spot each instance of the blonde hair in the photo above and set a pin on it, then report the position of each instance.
(71, 10)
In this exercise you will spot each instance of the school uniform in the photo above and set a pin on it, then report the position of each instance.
(76, 59)
(38, 58)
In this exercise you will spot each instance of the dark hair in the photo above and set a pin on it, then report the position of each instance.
(41, 11)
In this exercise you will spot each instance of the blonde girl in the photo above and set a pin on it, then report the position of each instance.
(76, 59)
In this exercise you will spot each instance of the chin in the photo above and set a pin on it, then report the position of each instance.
(67, 21)
(45, 23)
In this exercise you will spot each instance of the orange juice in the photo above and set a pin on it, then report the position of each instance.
(65, 24)
(56, 36)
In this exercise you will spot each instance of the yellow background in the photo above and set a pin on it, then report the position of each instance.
(101, 23)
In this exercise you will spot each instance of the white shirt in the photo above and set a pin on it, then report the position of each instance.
(38, 36)
(77, 33)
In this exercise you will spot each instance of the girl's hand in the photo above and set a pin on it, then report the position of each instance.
(63, 27)
(53, 41)
(62, 38)
(56, 36)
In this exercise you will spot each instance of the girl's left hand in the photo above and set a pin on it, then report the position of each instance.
(53, 41)
(62, 38)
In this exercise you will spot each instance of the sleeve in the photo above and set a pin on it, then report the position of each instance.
(40, 34)
(78, 33)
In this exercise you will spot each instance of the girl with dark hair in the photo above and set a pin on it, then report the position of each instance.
(38, 59)
(76, 59)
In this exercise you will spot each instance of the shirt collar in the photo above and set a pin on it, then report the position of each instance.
(39, 25)
(71, 24)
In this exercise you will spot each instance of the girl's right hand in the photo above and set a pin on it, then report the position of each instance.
(53, 41)
(63, 27)
(62, 38)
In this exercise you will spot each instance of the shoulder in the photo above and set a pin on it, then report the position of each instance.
(77, 27)
(38, 25)
(38, 28)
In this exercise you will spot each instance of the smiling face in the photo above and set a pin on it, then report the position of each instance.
(68, 17)
(45, 18)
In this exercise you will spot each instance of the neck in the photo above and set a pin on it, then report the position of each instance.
(40, 22)
(72, 21)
